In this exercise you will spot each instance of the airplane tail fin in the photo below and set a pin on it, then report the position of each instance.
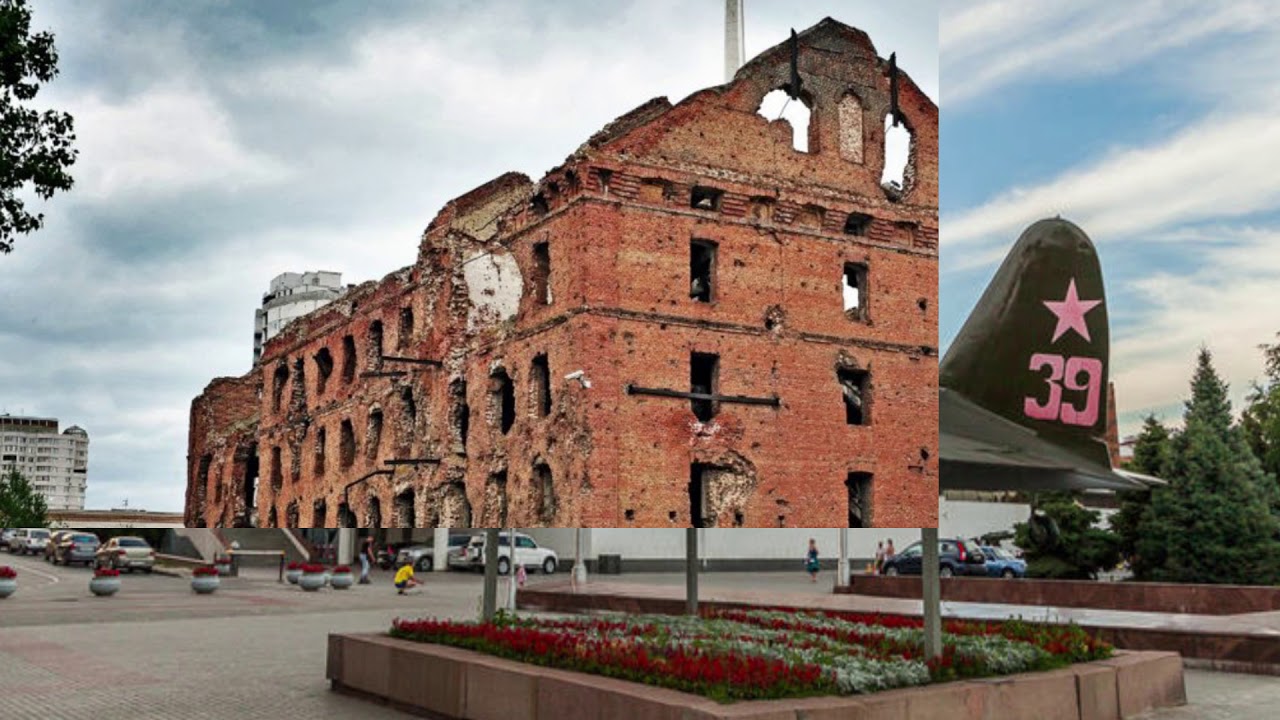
(1036, 348)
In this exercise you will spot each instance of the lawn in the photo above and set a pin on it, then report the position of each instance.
(753, 654)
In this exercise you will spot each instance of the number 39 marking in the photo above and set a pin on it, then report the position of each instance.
(1067, 371)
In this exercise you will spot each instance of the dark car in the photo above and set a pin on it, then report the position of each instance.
(1002, 563)
(76, 547)
(955, 557)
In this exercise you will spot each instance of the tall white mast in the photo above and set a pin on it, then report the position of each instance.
(734, 42)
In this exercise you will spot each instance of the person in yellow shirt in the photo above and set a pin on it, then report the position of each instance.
(405, 579)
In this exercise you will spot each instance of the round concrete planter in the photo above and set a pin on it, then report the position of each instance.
(312, 582)
(205, 584)
(341, 581)
(104, 586)
(8, 586)
(292, 576)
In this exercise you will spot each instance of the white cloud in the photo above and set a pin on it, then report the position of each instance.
(162, 143)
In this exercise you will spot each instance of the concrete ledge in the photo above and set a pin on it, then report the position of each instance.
(1139, 596)
(443, 682)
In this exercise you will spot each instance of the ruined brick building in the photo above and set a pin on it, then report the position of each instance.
(688, 322)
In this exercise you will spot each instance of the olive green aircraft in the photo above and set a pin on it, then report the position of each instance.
(1023, 388)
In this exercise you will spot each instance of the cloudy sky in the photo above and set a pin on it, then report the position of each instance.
(1152, 125)
(223, 143)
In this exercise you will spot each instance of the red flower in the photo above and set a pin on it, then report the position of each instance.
(294, 566)
(342, 569)
(205, 571)
(106, 572)
(7, 573)
(312, 569)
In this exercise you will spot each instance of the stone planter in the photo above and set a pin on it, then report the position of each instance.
(342, 581)
(104, 586)
(8, 586)
(205, 584)
(292, 576)
(312, 582)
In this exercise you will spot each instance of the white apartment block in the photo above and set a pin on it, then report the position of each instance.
(291, 296)
(56, 464)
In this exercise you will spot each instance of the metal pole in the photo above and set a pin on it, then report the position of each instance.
(490, 605)
(511, 568)
(733, 34)
(691, 571)
(579, 560)
(932, 593)
(842, 568)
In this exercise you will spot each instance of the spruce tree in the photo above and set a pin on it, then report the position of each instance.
(1151, 455)
(1261, 420)
(1213, 522)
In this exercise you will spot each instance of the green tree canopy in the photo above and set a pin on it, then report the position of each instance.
(1213, 523)
(1151, 456)
(1261, 420)
(1078, 550)
(35, 146)
(20, 505)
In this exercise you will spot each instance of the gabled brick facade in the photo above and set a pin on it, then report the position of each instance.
(555, 309)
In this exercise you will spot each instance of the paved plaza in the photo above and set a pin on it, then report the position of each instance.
(256, 649)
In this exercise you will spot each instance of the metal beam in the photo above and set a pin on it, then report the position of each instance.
(384, 373)
(346, 490)
(412, 461)
(412, 361)
(736, 399)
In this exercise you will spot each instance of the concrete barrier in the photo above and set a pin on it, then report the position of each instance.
(453, 684)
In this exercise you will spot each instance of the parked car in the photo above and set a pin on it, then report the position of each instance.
(1002, 563)
(126, 553)
(52, 546)
(528, 554)
(76, 547)
(29, 541)
(422, 556)
(6, 535)
(956, 557)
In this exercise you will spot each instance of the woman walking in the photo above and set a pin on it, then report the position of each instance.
(811, 560)
(366, 558)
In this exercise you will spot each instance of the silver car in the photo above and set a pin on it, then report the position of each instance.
(127, 553)
(29, 541)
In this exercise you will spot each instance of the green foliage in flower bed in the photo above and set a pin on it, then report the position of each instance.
(760, 654)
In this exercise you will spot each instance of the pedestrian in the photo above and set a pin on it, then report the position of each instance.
(811, 560)
(889, 552)
(405, 579)
(879, 556)
(521, 575)
(366, 558)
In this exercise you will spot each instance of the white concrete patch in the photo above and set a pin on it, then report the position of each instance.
(494, 286)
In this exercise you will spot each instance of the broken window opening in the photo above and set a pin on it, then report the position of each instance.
(897, 158)
(298, 402)
(540, 375)
(503, 399)
(461, 414)
(373, 434)
(857, 224)
(778, 105)
(541, 277)
(319, 514)
(406, 328)
(279, 380)
(404, 511)
(410, 406)
(546, 493)
(346, 518)
(855, 387)
(697, 495)
(495, 501)
(705, 198)
(605, 177)
(704, 375)
(539, 204)
(347, 445)
(859, 491)
(375, 346)
(273, 520)
(850, 118)
(277, 469)
(348, 359)
(206, 464)
(249, 490)
(324, 368)
(319, 454)
(855, 290)
(373, 513)
(702, 270)
(293, 516)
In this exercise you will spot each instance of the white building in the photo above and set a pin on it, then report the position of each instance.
(291, 296)
(56, 464)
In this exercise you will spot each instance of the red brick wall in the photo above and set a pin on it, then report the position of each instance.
(618, 222)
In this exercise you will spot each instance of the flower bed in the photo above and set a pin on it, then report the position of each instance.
(767, 653)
